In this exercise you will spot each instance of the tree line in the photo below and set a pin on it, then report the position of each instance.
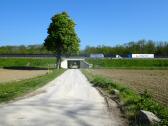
(134, 47)
(141, 46)
(22, 49)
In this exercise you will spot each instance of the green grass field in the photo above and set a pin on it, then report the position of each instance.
(97, 63)
(130, 63)
(28, 62)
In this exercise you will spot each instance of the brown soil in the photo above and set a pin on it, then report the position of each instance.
(155, 81)
(14, 75)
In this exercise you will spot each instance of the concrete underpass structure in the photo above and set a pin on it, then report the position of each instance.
(75, 63)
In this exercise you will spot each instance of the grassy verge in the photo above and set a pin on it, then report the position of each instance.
(9, 91)
(29, 62)
(133, 102)
(130, 63)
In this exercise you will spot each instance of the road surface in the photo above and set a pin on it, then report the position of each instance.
(69, 100)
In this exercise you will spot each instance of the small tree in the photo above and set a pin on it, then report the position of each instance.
(62, 38)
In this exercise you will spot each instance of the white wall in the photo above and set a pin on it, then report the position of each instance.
(142, 55)
(64, 64)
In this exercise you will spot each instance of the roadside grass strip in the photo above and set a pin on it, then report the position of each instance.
(132, 101)
(11, 90)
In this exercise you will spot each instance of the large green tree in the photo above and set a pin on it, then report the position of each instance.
(62, 38)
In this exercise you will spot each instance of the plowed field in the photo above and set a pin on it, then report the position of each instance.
(155, 81)
(14, 75)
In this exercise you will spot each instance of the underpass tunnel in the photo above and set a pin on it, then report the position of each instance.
(70, 63)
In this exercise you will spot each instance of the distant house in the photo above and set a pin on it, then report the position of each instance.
(97, 55)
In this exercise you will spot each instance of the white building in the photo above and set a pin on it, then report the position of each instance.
(142, 56)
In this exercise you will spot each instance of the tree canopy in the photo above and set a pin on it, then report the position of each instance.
(62, 38)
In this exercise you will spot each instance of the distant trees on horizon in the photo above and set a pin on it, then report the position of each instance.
(133, 47)
(141, 46)
(23, 49)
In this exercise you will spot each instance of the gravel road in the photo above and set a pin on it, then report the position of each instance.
(69, 100)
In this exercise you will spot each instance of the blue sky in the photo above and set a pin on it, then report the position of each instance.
(107, 22)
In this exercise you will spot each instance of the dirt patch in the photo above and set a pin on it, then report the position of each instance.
(15, 75)
(155, 81)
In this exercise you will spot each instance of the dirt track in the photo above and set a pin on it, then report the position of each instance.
(68, 100)
(14, 75)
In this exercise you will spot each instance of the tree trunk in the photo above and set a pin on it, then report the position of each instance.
(58, 61)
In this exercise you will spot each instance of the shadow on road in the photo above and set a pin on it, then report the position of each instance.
(24, 68)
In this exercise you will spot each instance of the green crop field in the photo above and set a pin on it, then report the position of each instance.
(27, 62)
(130, 63)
